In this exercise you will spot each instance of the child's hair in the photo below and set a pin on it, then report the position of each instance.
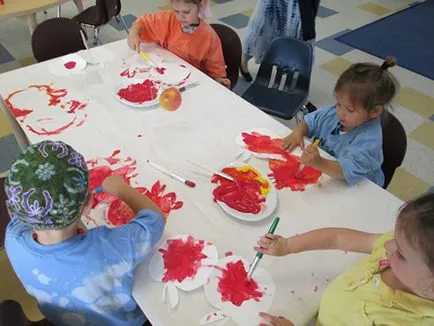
(416, 220)
(369, 84)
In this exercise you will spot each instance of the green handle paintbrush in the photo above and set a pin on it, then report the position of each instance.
(259, 255)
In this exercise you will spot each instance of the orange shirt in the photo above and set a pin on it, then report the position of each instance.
(202, 48)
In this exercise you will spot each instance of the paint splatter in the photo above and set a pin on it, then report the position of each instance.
(263, 144)
(128, 73)
(283, 172)
(228, 253)
(315, 289)
(292, 292)
(70, 64)
(182, 259)
(234, 286)
(60, 113)
(140, 92)
(119, 213)
(139, 136)
(161, 70)
(247, 195)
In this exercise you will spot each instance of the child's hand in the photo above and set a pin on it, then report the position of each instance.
(134, 38)
(114, 185)
(292, 141)
(273, 245)
(310, 156)
(275, 321)
(224, 81)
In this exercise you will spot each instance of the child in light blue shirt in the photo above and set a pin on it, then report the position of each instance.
(350, 130)
(78, 277)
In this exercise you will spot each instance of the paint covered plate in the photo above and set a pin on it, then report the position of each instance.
(251, 198)
(171, 73)
(137, 93)
(236, 297)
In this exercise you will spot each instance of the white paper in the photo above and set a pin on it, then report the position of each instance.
(59, 67)
(173, 75)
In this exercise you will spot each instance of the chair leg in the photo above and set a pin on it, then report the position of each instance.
(120, 18)
(59, 11)
(96, 36)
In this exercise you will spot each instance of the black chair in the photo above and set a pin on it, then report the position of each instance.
(231, 45)
(11, 314)
(282, 85)
(394, 146)
(4, 214)
(56, 37)
(99, 15)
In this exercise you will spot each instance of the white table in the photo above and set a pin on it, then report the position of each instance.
(204, 129)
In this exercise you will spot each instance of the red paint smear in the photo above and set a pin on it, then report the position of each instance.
(284, 173)
(243, 195)
(263, 144)
(182, 259)
(70, 64)
(234, 285)
(140, 92)
(128, 73)
(228, 253)
(119, 213)
(160, 70)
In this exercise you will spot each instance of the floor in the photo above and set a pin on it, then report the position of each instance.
(414, 105)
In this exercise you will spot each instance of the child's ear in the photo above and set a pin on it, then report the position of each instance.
(376, 111)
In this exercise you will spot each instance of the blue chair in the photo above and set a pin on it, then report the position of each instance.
(281, 87)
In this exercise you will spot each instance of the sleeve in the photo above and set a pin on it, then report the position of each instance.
(214, 64)
(155, 27)
(363, 156)
(379, 244)
(315, 119)
(134, 240)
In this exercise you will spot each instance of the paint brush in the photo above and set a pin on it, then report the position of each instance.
(187, 87)
(301, 167)
(173, 175)
(148, 59)
(221, 174)
(259, 255)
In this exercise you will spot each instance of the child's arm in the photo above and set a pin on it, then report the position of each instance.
(311, 157)
(320, 239)
(116, 186)
(150, 28)
(296, 137)
(134, 36)
(275, 320)
(214, 63)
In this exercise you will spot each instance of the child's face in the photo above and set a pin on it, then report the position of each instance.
(186, 13)
(409, 266)
(352, 115)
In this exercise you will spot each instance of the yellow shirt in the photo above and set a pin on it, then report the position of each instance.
(359, 297)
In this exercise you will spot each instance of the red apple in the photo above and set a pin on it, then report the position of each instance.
(170, 99)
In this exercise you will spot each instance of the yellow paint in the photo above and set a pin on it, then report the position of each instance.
(265, 185)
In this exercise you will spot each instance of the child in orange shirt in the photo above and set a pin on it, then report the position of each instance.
(185, 34)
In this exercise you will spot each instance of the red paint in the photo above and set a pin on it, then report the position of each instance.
(243, 195)
(129, 73)
(315, 289)
(139, 136)
(284, 173)
(140, 92)
(228, 253)
(160, 70)
(259, 143)
(55, 98)
(182, 259)
(70, 64)
(235, 287)
(119, 213)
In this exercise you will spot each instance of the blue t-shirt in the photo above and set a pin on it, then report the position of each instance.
(87, 279)
(359, 151)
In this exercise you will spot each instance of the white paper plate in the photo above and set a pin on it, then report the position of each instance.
(136, 60)
(126, 83)
(247, 313)
(60, 67)
(270, 204)
(174, 74)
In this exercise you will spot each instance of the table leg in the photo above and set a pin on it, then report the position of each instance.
(79, 5)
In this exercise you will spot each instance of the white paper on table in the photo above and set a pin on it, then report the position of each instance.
(67, 65)
(247, 313)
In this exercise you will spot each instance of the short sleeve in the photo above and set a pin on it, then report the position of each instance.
(314, 120)
(134, 240)
(362, 158)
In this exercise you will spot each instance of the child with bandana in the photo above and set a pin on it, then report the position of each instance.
(78, 277)
(184, 33)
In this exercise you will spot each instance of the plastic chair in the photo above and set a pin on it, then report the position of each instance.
(231, 45)
(11, 314)
(281, 87)
(99, 15)
(394, 146)
(56, 37)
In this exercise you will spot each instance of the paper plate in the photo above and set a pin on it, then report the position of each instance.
(136, 60)
(268, 207)
(174, 74)
(129, 82)
(67, 65)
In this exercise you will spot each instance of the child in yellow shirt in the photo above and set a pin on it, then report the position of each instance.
(394, 285)
(184, 33)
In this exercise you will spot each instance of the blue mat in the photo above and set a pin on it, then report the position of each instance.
(408, 35)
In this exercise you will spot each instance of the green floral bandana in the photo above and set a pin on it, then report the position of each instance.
(47, 186)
